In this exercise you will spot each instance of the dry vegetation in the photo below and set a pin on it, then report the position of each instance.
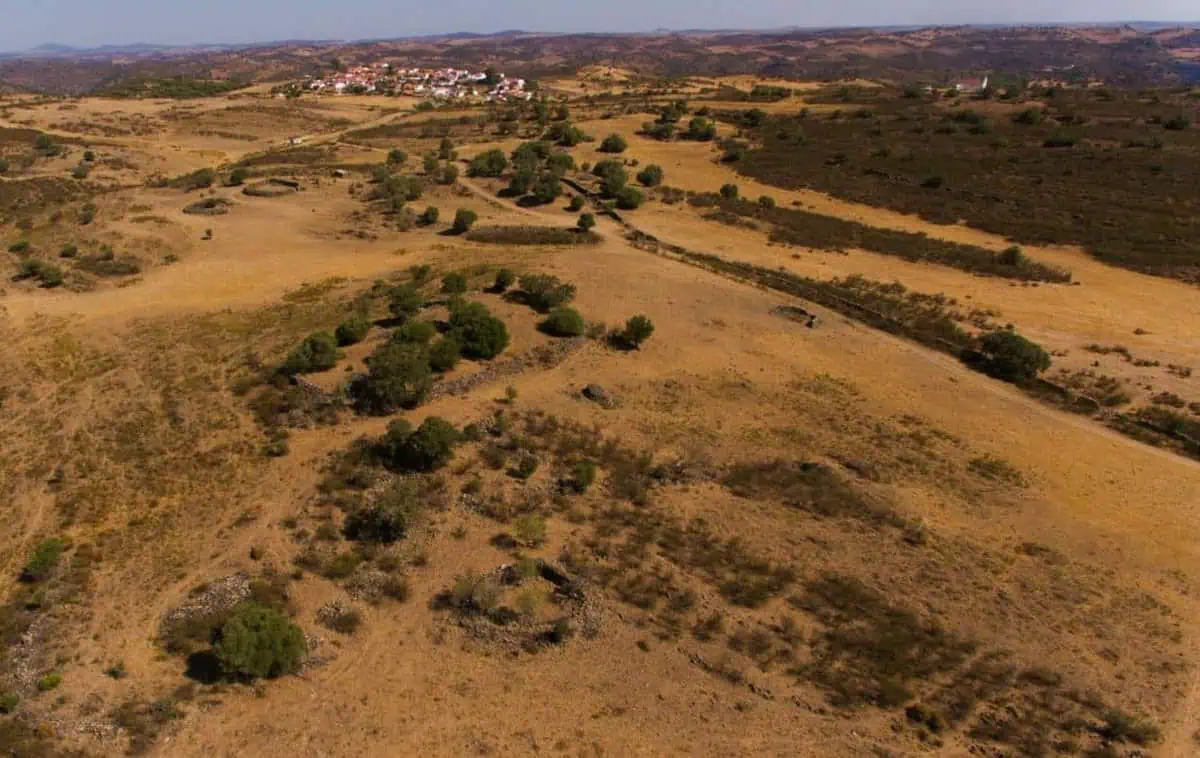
(735, 476)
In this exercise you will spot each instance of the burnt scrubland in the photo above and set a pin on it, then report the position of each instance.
(1111, 171)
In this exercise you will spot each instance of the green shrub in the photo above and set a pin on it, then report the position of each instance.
(68, 251)
(651, 176)
(49, 682)
(564, 322)
(544, 292)
(520, 182)
(547, 188)
(480, 334)
(8, 703)
(430, 216)
(47, 273)
(405, 301)
(43, 560)
(446, 175)
(504, 280)
(428, 448)
(430, 163)
(583, 475)
(637, 330)
(87, 214)
(20, 246)
(701, 129)
(398, 376)
(463, 220)
(530, 530)
(238, 177)
(586, 222)
(446, 149)
(1011, 357)
(576, 203)
(729, 191)
(318, 352)
(612, 177)
(489, 164)
(415, 332)
(353, 330)
(629, 199)
(444, 354)
(766, 201)
(81, 171)
(560, 163)
(454, 284)
(613, 143)
(397, 157)
(259, 641)
(420, 273)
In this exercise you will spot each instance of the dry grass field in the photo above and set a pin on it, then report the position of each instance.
(756, 534)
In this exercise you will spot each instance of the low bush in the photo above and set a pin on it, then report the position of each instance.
(651, 176)
(480, 334)
(353, 330)
(68, 251)
(238, 177)
(398, 376)
(729, 191)
(613, 143)
(259, 642)
(415, 332)
(530, 530)
(576, 204)
(637, 330)
(464, 219)
(200, 179)
(563, 322)
(444, 354)
(318, 352)
(430, 216)
(586, 222)
(629, 198)
(504, 280)
(530, 235)
(454, 284)
(489, 164)
(583, 475)
(405, 301)
(47, 274)
(544, 292)
(427, 448)
(43, 560)
(1011, 357)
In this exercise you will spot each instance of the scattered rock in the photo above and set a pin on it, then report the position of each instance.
(600, 396)
(272, 188)
(210, 206)
(797, 314)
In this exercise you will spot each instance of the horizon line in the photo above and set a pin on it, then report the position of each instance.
(67, 48)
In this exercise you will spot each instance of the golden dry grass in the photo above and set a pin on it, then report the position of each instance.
(1088, 569)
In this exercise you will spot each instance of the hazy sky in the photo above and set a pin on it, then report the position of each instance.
(27, 23)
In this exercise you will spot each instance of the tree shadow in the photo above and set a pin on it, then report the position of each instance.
(203, 667)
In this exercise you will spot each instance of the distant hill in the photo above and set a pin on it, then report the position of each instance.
(1139, 53)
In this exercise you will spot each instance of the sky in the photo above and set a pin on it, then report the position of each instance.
(28, 23)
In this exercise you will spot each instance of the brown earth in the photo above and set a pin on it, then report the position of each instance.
(1026, 530)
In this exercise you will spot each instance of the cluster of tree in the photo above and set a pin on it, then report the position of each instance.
(400, 372)
(614, 183)
(565, 134)
(178, 88)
